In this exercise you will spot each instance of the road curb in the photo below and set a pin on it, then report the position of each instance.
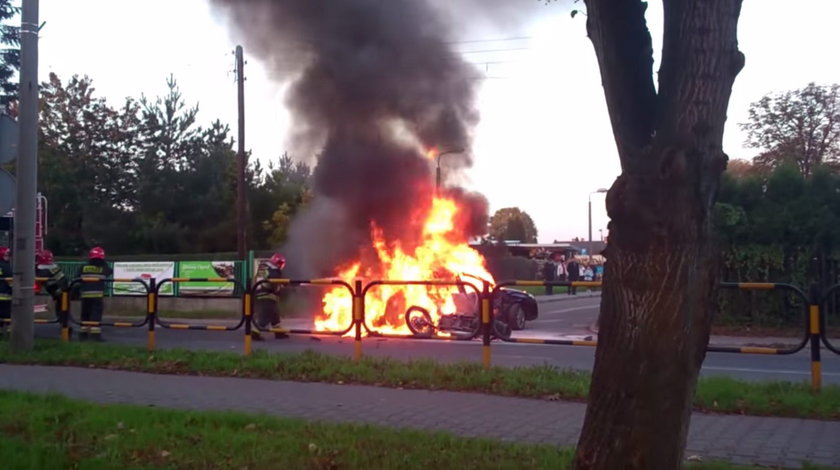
(731, 341)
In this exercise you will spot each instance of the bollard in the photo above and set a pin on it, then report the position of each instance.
(358, 319)
(485, 325)
(151, 310)
(64, 316)
(248, 305)
(814, 321)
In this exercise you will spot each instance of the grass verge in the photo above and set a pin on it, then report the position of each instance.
(53, 432)
(717, 394)
(44, 432)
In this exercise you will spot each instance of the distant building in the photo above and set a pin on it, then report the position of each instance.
(529, 250)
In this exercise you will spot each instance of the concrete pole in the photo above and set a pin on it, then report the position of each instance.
(23, 299)
(241, 196)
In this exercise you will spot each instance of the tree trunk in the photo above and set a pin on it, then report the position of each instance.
(662, 264)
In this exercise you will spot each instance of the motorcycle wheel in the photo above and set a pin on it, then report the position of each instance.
(419, 322)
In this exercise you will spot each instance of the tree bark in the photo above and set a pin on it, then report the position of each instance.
(661, 270)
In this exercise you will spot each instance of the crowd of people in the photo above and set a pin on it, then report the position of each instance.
(558, 269)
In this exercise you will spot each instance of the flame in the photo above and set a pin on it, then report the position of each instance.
(442, 254)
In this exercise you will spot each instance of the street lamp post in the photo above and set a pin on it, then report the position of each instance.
(437, 169)
(597, 191)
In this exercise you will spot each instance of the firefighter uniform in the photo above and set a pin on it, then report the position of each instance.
(5, 290)
(267, 296)
(93, 295)
(56, 282)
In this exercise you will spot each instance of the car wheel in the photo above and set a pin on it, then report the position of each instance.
(516, 317)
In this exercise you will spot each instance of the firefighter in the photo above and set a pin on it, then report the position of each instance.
(266, 304)
(5, 289)
(93, 292)
(56, 282)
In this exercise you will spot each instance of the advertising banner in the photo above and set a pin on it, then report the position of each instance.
(145, 270)
(206, 269)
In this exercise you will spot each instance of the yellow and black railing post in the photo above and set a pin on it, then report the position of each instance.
(64, 315)
(151, 313)
(814, 323)
(358, 318)
(486, 296)
(247, 310)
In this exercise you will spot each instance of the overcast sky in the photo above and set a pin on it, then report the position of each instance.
(544, 141)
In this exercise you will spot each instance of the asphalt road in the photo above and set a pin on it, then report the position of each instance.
(559, 319)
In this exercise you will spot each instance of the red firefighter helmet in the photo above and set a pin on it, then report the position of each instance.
(44, 257)
(96, 253)
(278, 260)
(5, 253)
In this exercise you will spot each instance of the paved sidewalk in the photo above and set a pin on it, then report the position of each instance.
(738, 439)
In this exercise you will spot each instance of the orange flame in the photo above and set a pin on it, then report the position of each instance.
(442, 254)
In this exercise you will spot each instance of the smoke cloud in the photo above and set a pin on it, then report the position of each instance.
(373, 84)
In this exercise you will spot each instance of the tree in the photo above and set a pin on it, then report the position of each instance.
(276, 198)
(800, 126)
(512, 223)
(741, 169)
(86, 160)
(662, 267)
(10, 54)
(175, 172)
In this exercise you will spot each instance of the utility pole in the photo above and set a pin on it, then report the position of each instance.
(241, 202)
(23, 273)
(597, 191)
(590, 221)
(438, 178)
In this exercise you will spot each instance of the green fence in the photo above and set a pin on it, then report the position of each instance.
(182, 268)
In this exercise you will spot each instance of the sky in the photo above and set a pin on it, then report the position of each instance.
(544, 142)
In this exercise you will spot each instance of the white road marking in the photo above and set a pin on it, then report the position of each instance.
(571, 309)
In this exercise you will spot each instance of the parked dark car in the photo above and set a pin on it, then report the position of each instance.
(512, 306)
(515, 307)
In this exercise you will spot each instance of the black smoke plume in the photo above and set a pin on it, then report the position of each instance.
(373, 84)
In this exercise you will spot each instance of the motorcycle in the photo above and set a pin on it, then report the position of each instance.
(464, 324)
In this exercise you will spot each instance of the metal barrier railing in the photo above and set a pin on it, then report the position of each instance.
(65, 302)
(814, 324)
(374, 333)
(154, 318)
(483, 328)
(798, 293)
(823, 330)
(189, 326)
(811, 331)
(355, 292)
(37, 321)
(66, 318)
